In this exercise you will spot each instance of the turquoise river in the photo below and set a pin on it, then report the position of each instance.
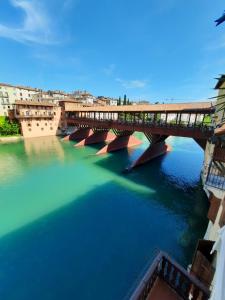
(73, 225)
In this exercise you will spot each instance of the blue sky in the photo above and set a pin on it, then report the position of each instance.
(149, 49)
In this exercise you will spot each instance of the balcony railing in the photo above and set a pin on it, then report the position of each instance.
(34, 116)
(149, 123)
(216, 175)
(176, 277)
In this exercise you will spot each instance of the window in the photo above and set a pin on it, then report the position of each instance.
(42, 129)
(37, 124)
(46, 124)
(21, 94)
(29, 124)
(51, 128)
(29, 129)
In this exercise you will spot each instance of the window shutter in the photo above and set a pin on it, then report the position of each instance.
(222, 217)
(202, 269)
(214, 207)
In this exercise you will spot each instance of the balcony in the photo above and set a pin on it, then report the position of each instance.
(166, 280)
(216, 175)
(22, 115)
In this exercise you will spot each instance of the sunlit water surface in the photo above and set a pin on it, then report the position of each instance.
(74, 226)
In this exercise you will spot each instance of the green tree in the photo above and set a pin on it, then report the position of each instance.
(125, 99)
(119, 101)
(8, 128)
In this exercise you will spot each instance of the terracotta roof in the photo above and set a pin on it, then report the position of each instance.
(178, 107)
(70, 101)
(36, 103)
(21, 87)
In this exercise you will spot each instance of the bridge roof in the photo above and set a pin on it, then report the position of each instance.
(34, 103)
(201, 107)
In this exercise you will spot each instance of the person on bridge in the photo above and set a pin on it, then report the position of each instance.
(220, 20)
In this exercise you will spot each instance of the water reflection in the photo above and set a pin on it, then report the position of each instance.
(43, 147)
(10, 167)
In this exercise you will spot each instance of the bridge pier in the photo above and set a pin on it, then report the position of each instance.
(123, 140)
(79, 134)
(157, 148)
(98, 136)
(202, 143)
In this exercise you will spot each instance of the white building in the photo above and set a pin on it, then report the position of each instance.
(10, 93)
(84, 97)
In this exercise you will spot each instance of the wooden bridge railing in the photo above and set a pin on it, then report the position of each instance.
(186, 286)
(160, 123)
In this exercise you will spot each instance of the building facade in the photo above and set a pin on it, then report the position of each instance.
(209, 255)
(38, 118)
(101, 100)
(10, 93)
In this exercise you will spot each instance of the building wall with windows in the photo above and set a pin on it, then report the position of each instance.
(213, 179)
(38, 118)
(10, 93)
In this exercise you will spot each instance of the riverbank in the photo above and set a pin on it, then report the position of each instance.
(10, 139)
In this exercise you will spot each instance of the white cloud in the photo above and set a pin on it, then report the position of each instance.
(35, 27)
(109, 70)
(132, 84)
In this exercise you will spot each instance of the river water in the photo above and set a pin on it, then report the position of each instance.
(74, 226)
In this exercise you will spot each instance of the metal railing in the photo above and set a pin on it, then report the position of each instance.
(216, 175)
(163, 124)
(40, 115)
(183, 283)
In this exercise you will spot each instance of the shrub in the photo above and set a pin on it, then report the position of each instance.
(8, 128)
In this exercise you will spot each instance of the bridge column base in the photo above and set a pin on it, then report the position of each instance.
(97, 137)
(79, 134)
(201, 143)
(120, 142)
(153, 151)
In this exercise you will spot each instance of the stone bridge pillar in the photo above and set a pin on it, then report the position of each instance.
(202, 143)
(123, 139)
(81, 133)
(156, 148)
(99, 135)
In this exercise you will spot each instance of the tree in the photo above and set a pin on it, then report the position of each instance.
(125, 99)
(119, 101)
(8, 128)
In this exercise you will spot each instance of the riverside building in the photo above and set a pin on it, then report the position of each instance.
(205, 279)
(10, 93)
(37, 118)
